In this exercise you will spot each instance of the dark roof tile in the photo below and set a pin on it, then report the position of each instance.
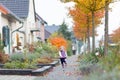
(52, 28)
(19, 7)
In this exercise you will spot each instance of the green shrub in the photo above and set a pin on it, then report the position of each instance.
(87, 63)
(88, 58)
(101, 51)
(112, 75)
(69, 51)
(46, 47)
(19, 65)
(107, 68)
(69, 48)
(17, 57)
(32, 56)
(48, 50)
(38, 49)
(110, 61)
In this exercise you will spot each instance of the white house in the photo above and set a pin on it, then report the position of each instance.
(8, 21)
(23, 31)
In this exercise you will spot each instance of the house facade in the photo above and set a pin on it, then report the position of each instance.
(24, 29)
(7, 22)
(40, 24)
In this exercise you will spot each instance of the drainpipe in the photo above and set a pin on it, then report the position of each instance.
(19, 27)
(14, 31)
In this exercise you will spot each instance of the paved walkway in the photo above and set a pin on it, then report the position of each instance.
(71, 72)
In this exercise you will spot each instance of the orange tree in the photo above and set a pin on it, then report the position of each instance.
(93, 6)
(83, 22)
(58, 41)
(116, 36)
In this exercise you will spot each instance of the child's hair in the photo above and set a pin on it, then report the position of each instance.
(62, 48)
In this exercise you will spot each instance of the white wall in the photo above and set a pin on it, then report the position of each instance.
(30, 22)
(12, 26)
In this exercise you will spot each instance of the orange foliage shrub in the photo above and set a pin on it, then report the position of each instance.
(58, 42)
(116, 35)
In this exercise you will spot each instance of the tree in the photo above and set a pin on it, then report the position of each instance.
(83, 22)
(58, 41)
(90, 6)
(64, 31)
(106, 26)
(93, 6)
(116, 36)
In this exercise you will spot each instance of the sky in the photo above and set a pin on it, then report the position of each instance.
(55, 12)
(114, 19)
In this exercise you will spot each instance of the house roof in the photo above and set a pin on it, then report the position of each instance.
(40, 19)
(52, 28)
(19, 7)
(7, 12)
(3, 9)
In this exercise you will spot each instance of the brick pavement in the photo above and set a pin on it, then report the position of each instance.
(71, 72)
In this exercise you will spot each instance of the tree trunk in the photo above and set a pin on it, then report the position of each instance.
(88, 34)
(93, 33)
(85, 42)
(106, 29)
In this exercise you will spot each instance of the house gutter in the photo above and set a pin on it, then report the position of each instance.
(34, 10)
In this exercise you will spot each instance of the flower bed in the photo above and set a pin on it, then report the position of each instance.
(35, 62)
(41, 70)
